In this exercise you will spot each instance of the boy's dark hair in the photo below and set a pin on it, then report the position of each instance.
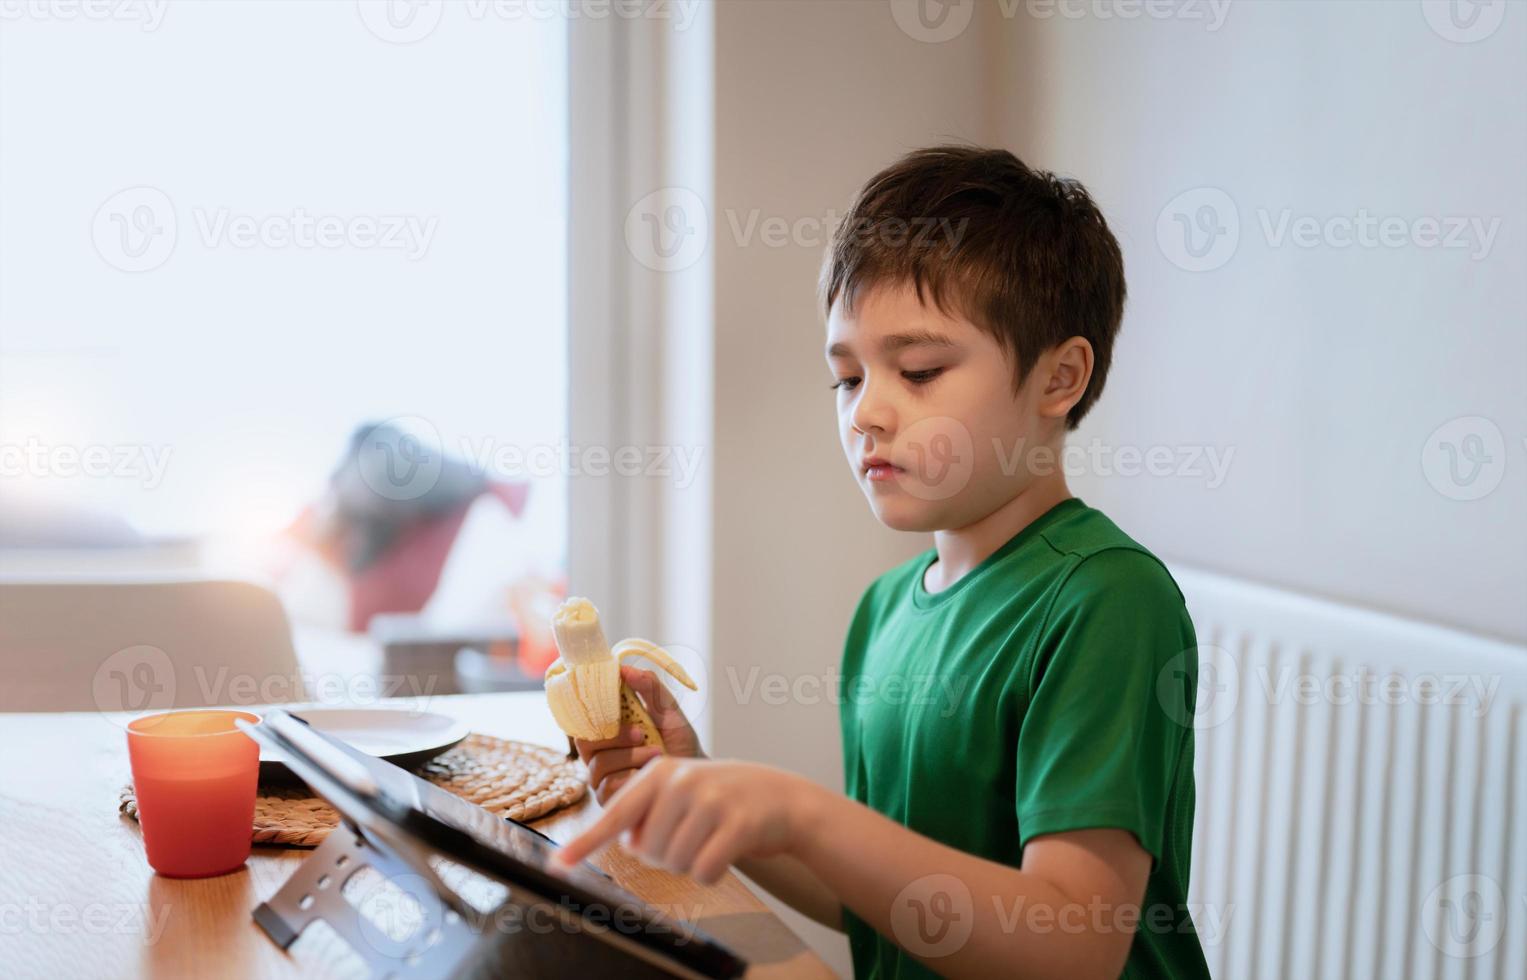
(1023, 254)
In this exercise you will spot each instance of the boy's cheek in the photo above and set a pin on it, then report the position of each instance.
(938, 454)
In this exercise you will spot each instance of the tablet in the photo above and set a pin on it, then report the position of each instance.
(374, 794)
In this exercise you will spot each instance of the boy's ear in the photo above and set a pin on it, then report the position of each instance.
(1065, 370)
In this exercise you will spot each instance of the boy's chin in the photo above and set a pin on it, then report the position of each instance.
(904, 512)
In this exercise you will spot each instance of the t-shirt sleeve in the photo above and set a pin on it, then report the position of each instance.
(1099, 743)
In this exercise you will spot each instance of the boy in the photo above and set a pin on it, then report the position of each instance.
(1038, 824)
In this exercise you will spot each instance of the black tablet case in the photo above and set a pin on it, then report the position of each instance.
(501, 849)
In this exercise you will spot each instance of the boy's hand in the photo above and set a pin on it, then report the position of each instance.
(698, 816)
(613, 761)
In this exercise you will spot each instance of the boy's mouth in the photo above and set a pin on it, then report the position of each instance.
(877, 468)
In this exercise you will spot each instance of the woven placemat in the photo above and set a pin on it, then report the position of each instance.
(511, 779)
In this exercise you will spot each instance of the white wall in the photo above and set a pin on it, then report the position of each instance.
(811, 99)
(1325, 369)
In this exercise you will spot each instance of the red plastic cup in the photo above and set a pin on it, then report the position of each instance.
(194, 774)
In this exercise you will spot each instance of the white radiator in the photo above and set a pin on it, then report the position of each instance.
(1349, 827)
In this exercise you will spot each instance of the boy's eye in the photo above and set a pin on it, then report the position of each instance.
(845, 384)
(922, 377)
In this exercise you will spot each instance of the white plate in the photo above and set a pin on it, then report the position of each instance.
(404, 737)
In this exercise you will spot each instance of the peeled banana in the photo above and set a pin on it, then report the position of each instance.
(583, 687)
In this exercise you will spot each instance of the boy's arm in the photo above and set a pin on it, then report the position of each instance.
(1069, 911)
(790, 881)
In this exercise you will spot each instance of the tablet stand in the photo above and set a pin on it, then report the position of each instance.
(439, 948)
(450, 939)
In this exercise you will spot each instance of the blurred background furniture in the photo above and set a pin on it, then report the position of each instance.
(143, 645)
(475, 659)
(390, 517)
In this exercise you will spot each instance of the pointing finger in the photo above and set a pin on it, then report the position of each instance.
(627, 811)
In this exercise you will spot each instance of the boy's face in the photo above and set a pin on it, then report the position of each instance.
(932, 428)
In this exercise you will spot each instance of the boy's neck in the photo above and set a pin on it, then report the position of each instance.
(962, 549)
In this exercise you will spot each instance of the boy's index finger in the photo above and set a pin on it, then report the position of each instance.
(628, 736)
(630, 805)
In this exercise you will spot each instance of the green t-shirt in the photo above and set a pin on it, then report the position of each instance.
(1050, 689)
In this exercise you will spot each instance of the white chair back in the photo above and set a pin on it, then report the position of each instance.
(143, 646)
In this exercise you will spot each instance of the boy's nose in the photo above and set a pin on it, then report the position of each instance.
(868, 423)
(872, 415)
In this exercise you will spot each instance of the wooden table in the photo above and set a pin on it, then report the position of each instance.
(77, 897)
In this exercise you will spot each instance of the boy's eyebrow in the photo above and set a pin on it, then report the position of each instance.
(915, 338)
(899, 341)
